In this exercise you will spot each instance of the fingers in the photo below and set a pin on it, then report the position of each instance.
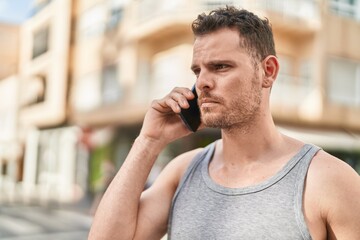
(174, 101)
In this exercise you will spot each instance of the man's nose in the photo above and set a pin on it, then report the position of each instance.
(205, 81)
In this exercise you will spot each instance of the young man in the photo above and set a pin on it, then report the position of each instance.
(254, 183)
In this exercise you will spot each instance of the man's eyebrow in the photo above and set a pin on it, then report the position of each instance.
(213, 63)
(194, 67)
(220, 61)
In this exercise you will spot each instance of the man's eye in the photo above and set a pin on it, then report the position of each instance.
(220, 66)
(196, 72)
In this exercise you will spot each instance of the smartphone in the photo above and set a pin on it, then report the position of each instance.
(191, 115)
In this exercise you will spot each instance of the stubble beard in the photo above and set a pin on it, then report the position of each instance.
(240, 114)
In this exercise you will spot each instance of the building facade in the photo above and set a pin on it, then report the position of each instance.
(9, 46)
(9, 147)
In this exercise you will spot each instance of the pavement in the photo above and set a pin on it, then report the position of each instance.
(34, 222)
(51, 222)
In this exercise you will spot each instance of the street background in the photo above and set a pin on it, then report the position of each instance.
(76, 78)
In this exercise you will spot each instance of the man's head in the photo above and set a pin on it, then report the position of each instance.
(255, 33)
(235, 65)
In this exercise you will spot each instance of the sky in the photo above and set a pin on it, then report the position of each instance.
(15, 11)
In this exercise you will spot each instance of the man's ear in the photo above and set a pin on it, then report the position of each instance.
(271, 68)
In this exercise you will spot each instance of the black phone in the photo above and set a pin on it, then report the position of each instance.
(191, 115)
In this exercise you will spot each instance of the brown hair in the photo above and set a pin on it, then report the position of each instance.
(255, 33)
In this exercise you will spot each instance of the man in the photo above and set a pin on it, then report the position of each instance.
(254, 183)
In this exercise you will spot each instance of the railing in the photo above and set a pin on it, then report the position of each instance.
(302, 9)
(148, 9)
(290, 90)
(345, 9)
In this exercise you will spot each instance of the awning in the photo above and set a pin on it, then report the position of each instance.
(327, 139)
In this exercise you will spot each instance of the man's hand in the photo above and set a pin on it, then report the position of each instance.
(162, 122)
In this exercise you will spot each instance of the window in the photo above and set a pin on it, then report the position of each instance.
(92, 21)
(304, 9)
(282, 85)
(305, 73)
(87, 95)
(4, 168)
(344, 81)
(110, 89)
(116, 11)
(290, 88)
(41, 42)
(171, 68)
(114, 18)
(346, 8)
(48, 158)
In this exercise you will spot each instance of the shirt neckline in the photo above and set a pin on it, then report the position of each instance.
(253, 188)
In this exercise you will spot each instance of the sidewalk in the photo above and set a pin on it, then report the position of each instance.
(26, 222)
(52, 222)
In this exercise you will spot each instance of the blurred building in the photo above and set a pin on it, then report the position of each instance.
(41, 86)
(9, 148)
(9, 45)
(50, 143)
(88, 70)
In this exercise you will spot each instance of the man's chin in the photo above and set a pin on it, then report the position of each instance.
(213, 123)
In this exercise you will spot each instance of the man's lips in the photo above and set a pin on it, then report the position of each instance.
(207, 102)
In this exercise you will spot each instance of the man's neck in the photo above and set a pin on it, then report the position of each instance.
(251, 156)
(253, 143)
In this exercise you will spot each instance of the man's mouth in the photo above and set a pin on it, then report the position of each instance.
(207, 102)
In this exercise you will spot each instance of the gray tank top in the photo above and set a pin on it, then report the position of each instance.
(202, 209)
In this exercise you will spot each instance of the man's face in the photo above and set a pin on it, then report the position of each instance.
(228, 81)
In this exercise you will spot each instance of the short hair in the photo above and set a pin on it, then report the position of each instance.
(255, 33)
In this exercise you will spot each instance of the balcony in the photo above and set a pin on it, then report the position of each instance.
(150, 16)
(290, 90)
(297, 100)
(349, 9)
(293, 16)
(161, 18)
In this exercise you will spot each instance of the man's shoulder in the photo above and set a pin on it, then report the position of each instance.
(184, 159)
(179, 164)
(328, 167)
(332, 181)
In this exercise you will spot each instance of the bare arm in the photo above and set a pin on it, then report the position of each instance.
(338, 193)
(343, 204)
(155, 202)
(120, 215)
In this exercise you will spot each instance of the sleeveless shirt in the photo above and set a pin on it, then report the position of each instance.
(272, 209)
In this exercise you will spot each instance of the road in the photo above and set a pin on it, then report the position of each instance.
(39, 223)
